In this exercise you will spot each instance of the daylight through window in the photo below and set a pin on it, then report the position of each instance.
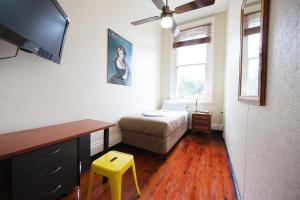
(192, 62)
(191, 71)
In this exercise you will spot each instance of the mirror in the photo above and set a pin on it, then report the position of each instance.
(253, 58)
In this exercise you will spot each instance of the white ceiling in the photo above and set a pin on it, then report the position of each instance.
(219, 6)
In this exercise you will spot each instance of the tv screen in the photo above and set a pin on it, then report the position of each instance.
(36, 26)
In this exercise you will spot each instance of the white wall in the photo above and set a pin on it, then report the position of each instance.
(35, 92)
(168, 72)
(264, 142)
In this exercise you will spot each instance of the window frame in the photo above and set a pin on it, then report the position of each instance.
(244, 83)
(208, 96)
(177, 66)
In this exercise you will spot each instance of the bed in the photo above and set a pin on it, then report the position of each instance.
(158, 130)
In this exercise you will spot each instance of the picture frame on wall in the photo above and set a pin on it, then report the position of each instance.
(119, 60)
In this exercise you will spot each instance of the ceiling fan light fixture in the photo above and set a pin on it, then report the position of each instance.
(166, 21)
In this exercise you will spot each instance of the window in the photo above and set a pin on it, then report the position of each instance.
(253, 64)
(191, 67)
(193, 64)
(251, 42)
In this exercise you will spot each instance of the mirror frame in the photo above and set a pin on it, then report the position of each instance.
(263, 50)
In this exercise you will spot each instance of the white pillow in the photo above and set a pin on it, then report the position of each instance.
(174, 105)
(153, 114)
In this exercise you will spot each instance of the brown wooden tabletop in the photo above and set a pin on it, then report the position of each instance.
(12, 144)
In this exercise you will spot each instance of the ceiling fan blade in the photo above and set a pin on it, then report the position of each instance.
(158, 3)
(175, 29)
(143, 21)
(193, 5)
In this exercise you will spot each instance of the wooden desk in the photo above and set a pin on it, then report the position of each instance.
(27, 155)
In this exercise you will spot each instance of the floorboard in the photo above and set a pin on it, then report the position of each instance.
(197, 168)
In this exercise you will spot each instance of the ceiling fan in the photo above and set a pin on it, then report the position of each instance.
(166, 16)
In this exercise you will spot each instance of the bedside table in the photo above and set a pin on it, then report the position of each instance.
(201, 122)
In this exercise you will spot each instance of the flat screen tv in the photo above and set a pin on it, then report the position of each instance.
(35, 26)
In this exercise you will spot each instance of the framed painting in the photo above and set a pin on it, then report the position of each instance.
(119, 56)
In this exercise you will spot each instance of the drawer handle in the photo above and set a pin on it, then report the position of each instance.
(52, 172)
(53, 152)
(52, 191)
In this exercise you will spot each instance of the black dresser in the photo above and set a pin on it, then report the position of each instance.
(46, 173)
(48, 164)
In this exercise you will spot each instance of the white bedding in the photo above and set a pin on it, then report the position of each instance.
(167, 113)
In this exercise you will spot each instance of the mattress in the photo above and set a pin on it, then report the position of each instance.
(158, 123)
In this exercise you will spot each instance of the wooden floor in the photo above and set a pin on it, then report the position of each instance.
(196, 168)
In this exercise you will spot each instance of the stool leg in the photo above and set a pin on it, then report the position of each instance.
(91, 180)
(116, 187)
(135, 178)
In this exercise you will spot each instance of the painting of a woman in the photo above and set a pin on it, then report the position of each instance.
(119, 59)
(121, 67)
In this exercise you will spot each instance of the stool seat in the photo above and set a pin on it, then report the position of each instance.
(113, 165)
(113, 161)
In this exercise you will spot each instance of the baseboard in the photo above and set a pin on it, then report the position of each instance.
(97, 146)
(236, 187)
(218, 127)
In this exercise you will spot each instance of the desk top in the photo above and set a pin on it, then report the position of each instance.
(16, 143)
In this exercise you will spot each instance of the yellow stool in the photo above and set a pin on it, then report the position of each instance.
(113, 164)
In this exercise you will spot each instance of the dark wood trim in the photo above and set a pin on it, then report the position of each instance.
(264, 51)
(251, 31)
(191, 42)
(261, 98)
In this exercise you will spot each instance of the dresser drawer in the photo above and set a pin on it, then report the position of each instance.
(37, 180)
(33, 161)
(201, 117)
(54, 190)
(201, 122)
(205, 129)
